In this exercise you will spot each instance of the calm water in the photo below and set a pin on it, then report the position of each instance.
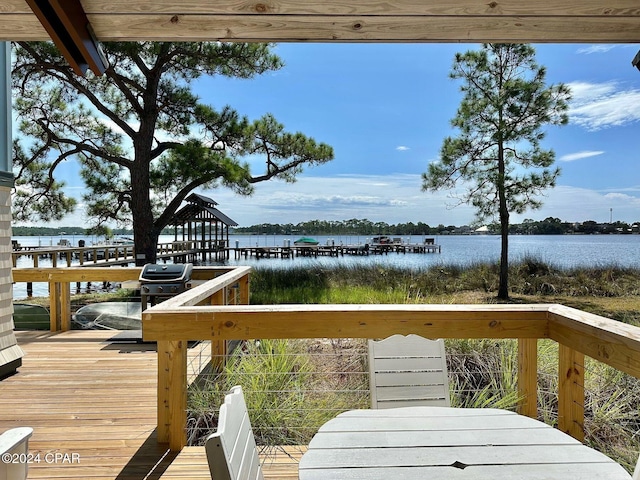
(560, 250)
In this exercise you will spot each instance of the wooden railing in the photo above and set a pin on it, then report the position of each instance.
(91, 255)
(218, 310)
(94, 255)
(60, 280)
(191, 316)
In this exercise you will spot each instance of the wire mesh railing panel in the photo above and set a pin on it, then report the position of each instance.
(612, 412)
(292, 387)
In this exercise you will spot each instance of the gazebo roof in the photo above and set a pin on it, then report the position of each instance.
(195, 212)
(201, 200)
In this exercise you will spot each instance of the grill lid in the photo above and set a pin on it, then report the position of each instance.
(178, 272)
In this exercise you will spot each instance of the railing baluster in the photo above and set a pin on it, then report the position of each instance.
(528, 377)
(54, 306)
(65, 306)
(218, 347)
(571, 392)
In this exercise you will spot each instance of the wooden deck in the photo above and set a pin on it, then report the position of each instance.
(92, 404)
(191, 464)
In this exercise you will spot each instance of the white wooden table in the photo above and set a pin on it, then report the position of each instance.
(443, 443)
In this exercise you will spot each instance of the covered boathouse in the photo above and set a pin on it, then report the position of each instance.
(203, 227)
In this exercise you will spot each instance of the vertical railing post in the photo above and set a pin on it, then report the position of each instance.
(218, 347)
(172, 393)
(571, 392)
(528, 377)
(243, 287)
(54, 306)
(65, 306)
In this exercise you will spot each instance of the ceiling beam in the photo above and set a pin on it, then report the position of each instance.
(66, 23)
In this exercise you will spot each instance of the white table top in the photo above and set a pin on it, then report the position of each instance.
(443, 443)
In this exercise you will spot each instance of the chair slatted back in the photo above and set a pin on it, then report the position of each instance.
(231, 451)
(408, 371)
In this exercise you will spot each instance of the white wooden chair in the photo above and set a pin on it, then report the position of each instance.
(408, 371)
(14, 445)
(231, 451)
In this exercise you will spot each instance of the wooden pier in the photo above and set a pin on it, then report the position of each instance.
(191, 251)
(333, 250)
(117, 254)
(92, 403)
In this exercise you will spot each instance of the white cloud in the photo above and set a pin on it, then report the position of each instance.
(599, 48)
(402, 148)
(580, 155)
(390, 198)
(600, 105)
(400, 200)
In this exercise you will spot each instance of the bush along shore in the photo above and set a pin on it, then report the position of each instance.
(294, 386)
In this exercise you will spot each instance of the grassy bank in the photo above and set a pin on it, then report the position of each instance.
(605, 290)
(291, 385)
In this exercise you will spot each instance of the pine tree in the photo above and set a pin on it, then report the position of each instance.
(496, 162)
(142, 137)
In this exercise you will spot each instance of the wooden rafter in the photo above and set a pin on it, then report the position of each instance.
(66, 23)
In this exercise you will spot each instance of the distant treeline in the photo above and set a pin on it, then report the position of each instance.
(57, 231)
(548, 226)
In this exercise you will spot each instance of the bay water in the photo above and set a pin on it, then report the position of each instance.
(565, 251)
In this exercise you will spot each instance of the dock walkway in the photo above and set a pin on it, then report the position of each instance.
(333, 250)
(92, 403)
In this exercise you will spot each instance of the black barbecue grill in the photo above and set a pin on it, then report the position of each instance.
(159, 282)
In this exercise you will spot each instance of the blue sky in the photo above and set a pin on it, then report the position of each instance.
(386, 108)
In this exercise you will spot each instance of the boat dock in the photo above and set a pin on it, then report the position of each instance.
(116, 254)
(333, 250)
(92, 403)
(191, 251)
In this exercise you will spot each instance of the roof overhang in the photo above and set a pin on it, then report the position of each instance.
(470, 21)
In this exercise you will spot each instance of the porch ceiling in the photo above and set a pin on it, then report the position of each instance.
(345, 20)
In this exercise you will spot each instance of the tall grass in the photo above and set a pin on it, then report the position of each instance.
(483, 373)
(292, 387)
(351, 283)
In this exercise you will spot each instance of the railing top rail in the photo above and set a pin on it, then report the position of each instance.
(609, 341)
(612, 342)
(166, 322)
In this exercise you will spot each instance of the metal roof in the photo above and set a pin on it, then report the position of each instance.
(201, 200)
(193, 212)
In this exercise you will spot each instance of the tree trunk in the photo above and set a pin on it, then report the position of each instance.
(503, 288)
(145, 234)
(145, 237)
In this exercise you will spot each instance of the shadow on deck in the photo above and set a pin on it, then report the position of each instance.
(92, 404)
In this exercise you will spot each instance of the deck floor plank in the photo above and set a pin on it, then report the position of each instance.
(93, 403)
